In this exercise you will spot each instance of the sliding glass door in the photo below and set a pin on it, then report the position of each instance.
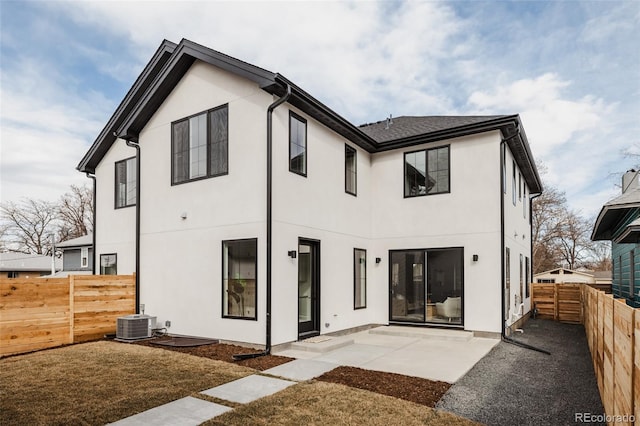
(426, 286)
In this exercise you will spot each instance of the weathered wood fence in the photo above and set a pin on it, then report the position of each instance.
(39, 313)
(613, 335)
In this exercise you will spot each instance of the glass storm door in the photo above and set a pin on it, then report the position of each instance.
(308, 288)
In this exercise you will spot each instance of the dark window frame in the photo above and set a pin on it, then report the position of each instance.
(363, 296)
(294, 116)
(348, 173)
(426, 157)
(527, 271)
(115, 183)
(513, 184)
(116, 262)
(255, 301)
(208, 173)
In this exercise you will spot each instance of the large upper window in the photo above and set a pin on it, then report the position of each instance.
(360, 278)
(297, 144)
(426, 172)
(350, 170)
(199, 146)
(126, 177)
(239, 260)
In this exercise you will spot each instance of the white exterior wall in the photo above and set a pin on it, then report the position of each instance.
(115, 228)
(468, 217)
(317, 207)
(517, 235)
(181, 259)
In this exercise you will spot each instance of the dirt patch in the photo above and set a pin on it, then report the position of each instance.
(224, 352)
(413, 389)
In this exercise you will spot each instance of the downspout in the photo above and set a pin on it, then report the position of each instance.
(272, 107)
(137, 147)
(504, 336)
(93, 255)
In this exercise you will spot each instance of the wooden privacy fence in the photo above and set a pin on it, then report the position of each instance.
(38, 313)
(560, 302)
(613, 334)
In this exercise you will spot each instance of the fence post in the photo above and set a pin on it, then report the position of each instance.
(71, 306)
(556, 315)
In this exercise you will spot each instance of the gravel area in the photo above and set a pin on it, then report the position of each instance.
(514, 385)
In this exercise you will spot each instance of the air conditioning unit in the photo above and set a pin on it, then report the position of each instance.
(133, 327)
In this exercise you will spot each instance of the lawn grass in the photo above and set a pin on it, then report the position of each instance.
(101, 382)
(321, 403)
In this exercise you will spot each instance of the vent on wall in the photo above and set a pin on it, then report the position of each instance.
(134, 327)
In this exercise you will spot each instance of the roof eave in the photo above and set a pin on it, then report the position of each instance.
(106, 137)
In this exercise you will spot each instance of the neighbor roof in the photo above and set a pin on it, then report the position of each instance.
(613, 212)
(172, 62)
(85, 240)
(630, 234)
(27, 262)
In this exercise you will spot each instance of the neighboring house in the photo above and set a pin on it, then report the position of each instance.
(251, 211)
(562, 275)
(619, 222)
(20, 265)
(603, 277)
(77, 256)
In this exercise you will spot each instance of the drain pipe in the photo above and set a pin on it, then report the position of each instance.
(137, 147)
(504, 336)
(273, 106)
(93, 237)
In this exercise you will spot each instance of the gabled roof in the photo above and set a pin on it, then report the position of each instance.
(630, 234)
(85, 240)
(165, 72)
(613, 212)
(564, 271)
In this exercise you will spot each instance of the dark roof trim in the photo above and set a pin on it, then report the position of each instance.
(630, 235)
(183, 57)
(106, 137)
(609, 219)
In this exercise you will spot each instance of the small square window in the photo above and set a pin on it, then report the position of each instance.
(427, 172)
(109, 264)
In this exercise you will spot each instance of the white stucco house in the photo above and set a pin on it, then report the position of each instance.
(252, 212)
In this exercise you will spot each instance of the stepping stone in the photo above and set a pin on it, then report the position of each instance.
(182, 412)
(301, 369)
(248, 388)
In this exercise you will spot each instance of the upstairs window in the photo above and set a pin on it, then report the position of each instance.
(297, 144)
(126, 177)
(350, 170)
(199, 146)
(426, 172)
(513, 185)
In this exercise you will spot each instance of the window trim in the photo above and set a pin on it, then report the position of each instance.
(355, 282)
(513, 184)
(116, 263)
(426, 151)
(255, 314)
(208, 174)
(349, 149)
(293, 115)
(115, 183)
(84, 260)
(527, 272)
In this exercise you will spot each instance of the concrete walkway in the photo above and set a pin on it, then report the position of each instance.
(433, 354)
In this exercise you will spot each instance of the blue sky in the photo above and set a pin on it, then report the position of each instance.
(570, 68)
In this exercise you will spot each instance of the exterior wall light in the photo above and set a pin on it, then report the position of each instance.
(475, 257)
(292, 254)
(378, 260)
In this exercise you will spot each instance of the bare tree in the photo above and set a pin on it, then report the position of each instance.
(574, 242)
(75, 211)
(546, 226)
(29, 225)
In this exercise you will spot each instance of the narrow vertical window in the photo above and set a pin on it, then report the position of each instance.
(297, 144)
(350, 170)
(524, 202)
(218, 141)
(84, 257)
(527, 277)
(415, 173)
(360, 278)
(109, 264)
(507, 281)
(513, 185)
(521, 279)
(504, 170)
(239, 270)
(198, 146)
(438, 170)
(125, 188)
(519, 186)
